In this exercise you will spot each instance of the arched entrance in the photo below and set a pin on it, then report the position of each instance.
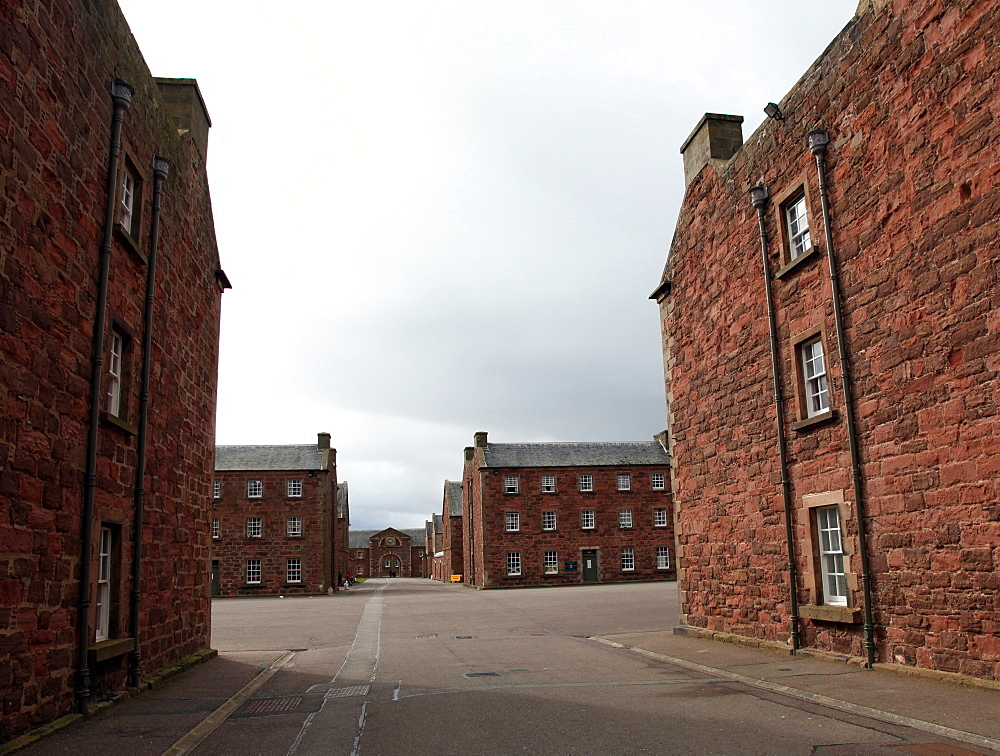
(391, 566)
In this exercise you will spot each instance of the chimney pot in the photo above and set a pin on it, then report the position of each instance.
(323, 440)
(715, 139)
(480, 439)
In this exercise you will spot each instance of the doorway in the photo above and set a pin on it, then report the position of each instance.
(590, 574)
(216, 588)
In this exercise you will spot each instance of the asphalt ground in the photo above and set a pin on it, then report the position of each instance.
(409, 666)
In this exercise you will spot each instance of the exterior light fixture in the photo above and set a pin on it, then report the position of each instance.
(773, 111)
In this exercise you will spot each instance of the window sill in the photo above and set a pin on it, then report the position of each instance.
(109, 649)
(843, 614)
(133, 246)
(116, 421)
(809, 422)
(807, 255)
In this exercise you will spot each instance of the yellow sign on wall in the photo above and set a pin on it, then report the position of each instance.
(456, 578)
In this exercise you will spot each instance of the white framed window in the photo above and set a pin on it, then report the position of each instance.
(659, 517)
(624, 481)
(658, 481)
(628, 559)
(293, 570)
(624, 518)
(586, 482)
(510, 484)
(361, 555)
(797, 224)
(512, 521)
(587, 519)
(662, 558)
(831, 556)
(513, 562)
(253, 571)
(551, 562)
(255, 527)
(293, 527)
(216, 528)
(814, 377)
(548, 520)
(103, 598)
(255, 489)
(216, 489)
(293, 488)
(360, 570)
(126, 211)
(548, 484)
(116, 350)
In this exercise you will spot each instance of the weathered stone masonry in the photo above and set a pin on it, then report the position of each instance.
(907, 95)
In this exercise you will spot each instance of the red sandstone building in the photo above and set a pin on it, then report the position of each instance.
(847, 253)
(275, 513)
(447, 528)
(387, 553)
(562, 513)
(110, 294)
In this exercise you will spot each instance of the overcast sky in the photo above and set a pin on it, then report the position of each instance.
(447, 216)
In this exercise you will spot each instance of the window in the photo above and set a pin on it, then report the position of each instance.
(216, 529)
(587, 519)
(128, 208)
(797, 224)
(360, 570)
(253, 571)
(293, 570)
(628, 559)
(624, 518)
(361, 555)
(662, 558)
(294, 527)
(103, 598)
(255, 488)
(624, 481)
(548, 484)
(293, 488)
(216, 489)
(831, 556)
(255, 527)
(513, 521)
(658, 481)
(510, 484)
(586, 482)
(548, 520)
(116, 350)
(514, 563)
(551, 562)
(817, 397)
(659, 517)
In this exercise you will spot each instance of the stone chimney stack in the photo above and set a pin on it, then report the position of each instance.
(470, 453)
(186, 107)
(480, 439)
(714, 141)
(322, 440)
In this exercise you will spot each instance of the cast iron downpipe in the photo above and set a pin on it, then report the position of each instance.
(818, 140)
(121, 95)
(161, 167)
(758, 197)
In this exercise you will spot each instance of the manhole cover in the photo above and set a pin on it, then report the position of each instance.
(482, 674)
(354, 690)
(272, 705)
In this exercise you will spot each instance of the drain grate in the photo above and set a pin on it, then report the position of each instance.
(482, 674)
(272, 705)
(354, 690)
(464, 637)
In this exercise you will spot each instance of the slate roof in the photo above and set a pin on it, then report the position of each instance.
(453, 498)
(438, 523)
(575, 454)
(273, 457)
(361, 539)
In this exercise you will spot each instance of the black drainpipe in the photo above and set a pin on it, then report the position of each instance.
(758, 197)
(121, 95)
(818, 140)
(161, 167)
